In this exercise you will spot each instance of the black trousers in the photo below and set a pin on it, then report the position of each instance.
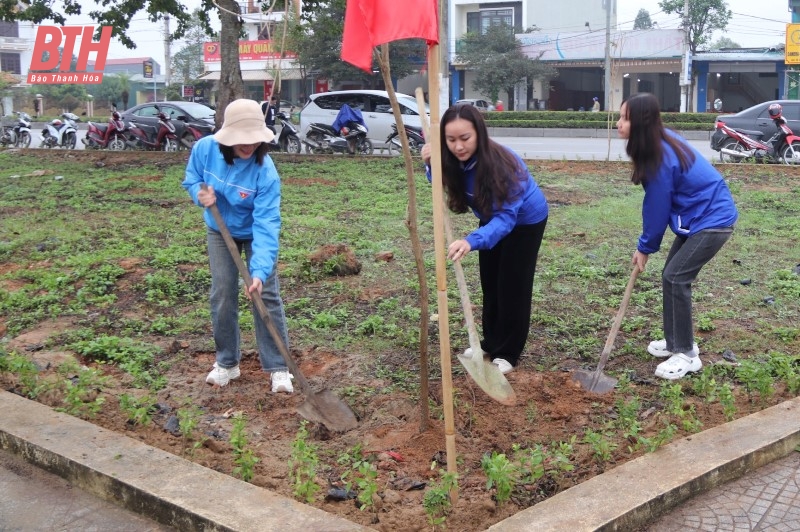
(507, 273)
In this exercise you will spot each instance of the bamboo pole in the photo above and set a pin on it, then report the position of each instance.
(441, 271)
(416, 245)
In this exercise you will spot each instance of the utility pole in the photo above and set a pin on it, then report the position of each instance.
(686, 67)
(607, 82)
(167, 56)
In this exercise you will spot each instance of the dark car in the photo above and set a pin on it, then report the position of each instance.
(192, 120)
(756, 119)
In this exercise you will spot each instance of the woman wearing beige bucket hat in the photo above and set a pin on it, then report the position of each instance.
(243, 182)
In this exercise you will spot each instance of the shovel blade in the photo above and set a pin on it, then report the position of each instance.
(489, 378)
(594, 381)
(327, 409)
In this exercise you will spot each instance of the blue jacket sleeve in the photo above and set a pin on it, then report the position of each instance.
(195, 170)
(656, 208)
(266, 225)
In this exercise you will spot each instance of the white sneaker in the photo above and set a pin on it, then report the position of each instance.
(503, 365)
(677, 366)
(222, 376)
(282, 382)
(658, 348)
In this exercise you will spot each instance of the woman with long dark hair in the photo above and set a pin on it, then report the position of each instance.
(686, 193)
(481, 175)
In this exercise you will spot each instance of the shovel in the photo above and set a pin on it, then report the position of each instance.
(485, 374)
(322, 407)
(597, 381)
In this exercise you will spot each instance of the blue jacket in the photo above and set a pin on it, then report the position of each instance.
(248, 198)
(528, 208)
(687, 202)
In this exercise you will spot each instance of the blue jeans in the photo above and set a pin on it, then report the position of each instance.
(685, 260)
(225, 308)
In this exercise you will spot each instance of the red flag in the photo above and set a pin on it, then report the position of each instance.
(368, 23)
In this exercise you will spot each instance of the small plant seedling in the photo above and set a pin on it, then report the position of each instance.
(303, 463)
(243, 457)
(500, 474)
(437, 502)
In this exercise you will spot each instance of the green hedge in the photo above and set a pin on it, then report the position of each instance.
(584, 120)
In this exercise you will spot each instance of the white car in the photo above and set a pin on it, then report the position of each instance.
(373, 104)
(482, 105)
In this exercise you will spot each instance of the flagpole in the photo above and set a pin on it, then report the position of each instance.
(441, 272)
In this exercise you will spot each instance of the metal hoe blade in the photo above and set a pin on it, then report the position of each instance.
(598, 381)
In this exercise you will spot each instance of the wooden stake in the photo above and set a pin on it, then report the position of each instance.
(441, 271)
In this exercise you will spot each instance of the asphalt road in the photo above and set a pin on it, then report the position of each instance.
(568, 148)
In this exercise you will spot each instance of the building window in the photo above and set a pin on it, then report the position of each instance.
(10, 62)
(496, 17)
(9, 29)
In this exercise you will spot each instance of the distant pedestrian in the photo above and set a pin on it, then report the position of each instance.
(270, 110)
(684, 192)
(596, 105)
(499, 106)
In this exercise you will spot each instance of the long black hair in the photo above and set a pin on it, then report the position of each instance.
(497, 173)
(644, 139)
(228, 155)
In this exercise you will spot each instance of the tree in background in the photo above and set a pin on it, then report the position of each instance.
(643, 21)
(724, 42)
(704, 17)
(111, 90)
(187, 63)
(498, 62)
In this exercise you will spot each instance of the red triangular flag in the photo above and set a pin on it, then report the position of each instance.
(368, 23)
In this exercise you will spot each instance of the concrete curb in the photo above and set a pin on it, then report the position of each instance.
(187, 496)
(146, 480)
(635, 493)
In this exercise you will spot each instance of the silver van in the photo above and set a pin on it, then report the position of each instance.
(374, 106)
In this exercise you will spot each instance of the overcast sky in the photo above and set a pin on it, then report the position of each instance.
(755, 23)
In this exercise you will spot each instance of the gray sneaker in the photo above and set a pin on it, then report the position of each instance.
(658, 348)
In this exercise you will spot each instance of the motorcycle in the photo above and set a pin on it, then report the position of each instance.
(147, 137)
(19, 135)
(192, 133)
(347, 134)
(288, 139)
(111, 135)
(739, 144)
(61, 133)
(415, 140)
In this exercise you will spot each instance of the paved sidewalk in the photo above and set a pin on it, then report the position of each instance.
(741, 476)
(34, 499)
(765, 499)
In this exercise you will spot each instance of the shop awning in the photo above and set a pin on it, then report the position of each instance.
(256, 75)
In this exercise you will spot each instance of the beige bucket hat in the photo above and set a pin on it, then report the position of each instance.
(243, 124)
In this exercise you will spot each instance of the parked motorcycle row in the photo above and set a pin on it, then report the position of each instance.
(348, 134)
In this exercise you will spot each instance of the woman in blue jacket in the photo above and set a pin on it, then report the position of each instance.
(492, 181)
(243, 182)
(685, 192)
